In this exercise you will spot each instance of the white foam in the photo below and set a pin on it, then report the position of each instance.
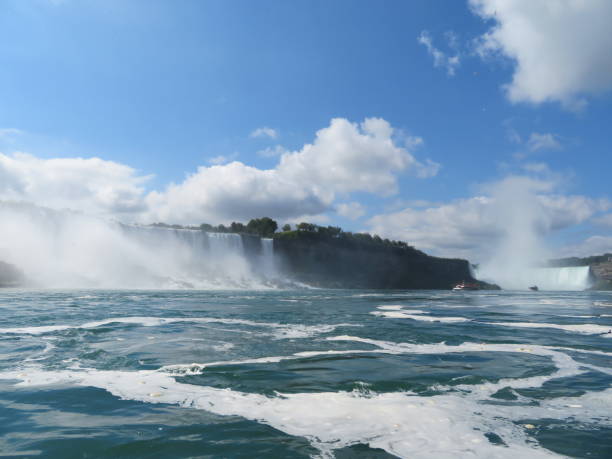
(589, 408)
(552, 301)
(280, 331)
(199, 368)
(589, 316)
(565, 365)
(34, 330)
(586, 329)
(449, 425)
(418, 315)
(402, 424)
(223, 347)
(391, 307)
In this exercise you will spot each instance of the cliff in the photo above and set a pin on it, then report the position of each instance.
(602, 274)
(346, 262)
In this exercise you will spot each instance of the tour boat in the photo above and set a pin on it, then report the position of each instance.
(466, 286)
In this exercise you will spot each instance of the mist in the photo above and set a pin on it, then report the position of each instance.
(517, 258)
(64, 249)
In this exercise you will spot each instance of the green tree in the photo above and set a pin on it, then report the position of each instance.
(264, 227)
(309, 227)
(286, 227)
(237, 227)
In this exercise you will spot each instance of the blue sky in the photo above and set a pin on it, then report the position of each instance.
(196, 111)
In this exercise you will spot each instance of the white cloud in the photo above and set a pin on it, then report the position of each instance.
(264, 132)
(344, 157)
(427, 169)
(604, 220)
(561, 48)
(347, 157)
(91, 185)
(594, 245)
(543, 141)
(232, 191)
(453, 229)
(413, 142)
(441, 59)
(270, 152)
(222, 159)
(536, 167)
(352, 210)
(7, 133)
(474, 227)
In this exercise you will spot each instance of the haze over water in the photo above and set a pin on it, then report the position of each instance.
(305, 373)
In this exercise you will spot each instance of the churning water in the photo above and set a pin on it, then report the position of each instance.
(305, 373)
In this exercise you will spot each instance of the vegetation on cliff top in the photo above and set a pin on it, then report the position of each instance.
(576, 261)
(267, 227)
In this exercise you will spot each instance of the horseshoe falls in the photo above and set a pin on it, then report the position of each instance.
(566, 278)
(574, 278)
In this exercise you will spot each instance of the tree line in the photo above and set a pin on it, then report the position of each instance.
(267, 227)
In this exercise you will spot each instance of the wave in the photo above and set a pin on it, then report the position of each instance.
(398, 312)
(280, 331)
(586, 329)
(451, 424)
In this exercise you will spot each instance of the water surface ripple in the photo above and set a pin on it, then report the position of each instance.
(305, 373)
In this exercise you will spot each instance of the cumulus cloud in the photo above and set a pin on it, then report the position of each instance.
(232, 191)
(264, 132)
(352, 210)
(561, 49)
(90, 185)
(593, 245)
(441, 59)
(270, 152)
(344, 157)
(347, 157)
(543, 141)
(474, 227)
(222, 159)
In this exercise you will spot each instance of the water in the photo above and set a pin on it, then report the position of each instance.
(566, 278)
(63, 249)
(305, 373)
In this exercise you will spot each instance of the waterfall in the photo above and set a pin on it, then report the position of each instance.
(222, 244)
(567, 278)
(268, 262)
(69, 250)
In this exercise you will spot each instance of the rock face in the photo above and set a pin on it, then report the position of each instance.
(333, 263)
(602, 272)
(10, 276)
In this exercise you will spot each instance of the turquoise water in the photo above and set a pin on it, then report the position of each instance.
(305, 373)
